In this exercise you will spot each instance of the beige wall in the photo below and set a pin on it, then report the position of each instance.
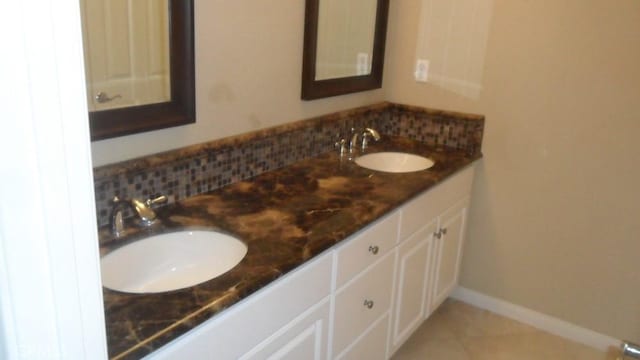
(248, 76)
(555, 220)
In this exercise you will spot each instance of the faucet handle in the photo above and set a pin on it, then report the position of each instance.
(117, 218)
(372, 132)
(142, 209)
(145, 213)
(158, 200)
(341, 146)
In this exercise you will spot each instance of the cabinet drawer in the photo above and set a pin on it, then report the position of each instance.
(372, 345)
(362, 302)
(366, 247)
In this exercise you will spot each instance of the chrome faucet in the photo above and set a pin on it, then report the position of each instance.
(141, 208)
(366, 134)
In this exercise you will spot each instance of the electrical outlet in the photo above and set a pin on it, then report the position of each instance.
(362, 64)
(422, 70)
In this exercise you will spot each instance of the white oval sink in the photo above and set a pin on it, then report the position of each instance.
(394, 162)
(171, 261)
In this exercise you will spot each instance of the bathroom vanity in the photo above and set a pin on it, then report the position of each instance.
(360, 299)
(342, 261)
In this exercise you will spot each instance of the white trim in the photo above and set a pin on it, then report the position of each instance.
(536, 319)
(50, 290)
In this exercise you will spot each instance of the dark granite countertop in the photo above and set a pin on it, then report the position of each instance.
(286, 217)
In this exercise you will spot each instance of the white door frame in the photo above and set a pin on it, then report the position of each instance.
(50, 290)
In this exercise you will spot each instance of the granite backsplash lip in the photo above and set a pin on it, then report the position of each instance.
(286, 216)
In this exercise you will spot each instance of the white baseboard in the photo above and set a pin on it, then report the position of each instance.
(538, 320)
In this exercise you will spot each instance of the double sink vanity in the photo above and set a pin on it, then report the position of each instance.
(322, 258)
(326, 238)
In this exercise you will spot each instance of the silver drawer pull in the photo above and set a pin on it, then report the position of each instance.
(374, 250)
(368, 304)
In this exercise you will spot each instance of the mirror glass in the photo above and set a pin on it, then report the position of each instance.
(140, 68)
(126, 52)
(344, 44)
(345, 38)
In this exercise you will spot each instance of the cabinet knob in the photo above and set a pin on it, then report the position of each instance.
(374, 250)
(444, 231)
(437, 234)
(368, 304)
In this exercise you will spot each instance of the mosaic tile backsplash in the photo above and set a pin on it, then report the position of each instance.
(200, 168)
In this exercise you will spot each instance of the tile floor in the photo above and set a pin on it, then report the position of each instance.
(458, 331)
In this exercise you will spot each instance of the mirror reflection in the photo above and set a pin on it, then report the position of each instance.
(344, 43)
(346, 30)
(126, 49)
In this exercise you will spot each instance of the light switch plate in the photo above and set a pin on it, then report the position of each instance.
(422, 70)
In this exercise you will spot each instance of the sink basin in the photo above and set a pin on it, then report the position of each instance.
(171, 261)
(394, 162)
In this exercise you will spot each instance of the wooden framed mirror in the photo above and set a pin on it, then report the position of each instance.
(178, 106)
(344, 42)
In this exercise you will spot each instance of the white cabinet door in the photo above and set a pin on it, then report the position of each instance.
(303, 338)
(449, 251)
(412, 284)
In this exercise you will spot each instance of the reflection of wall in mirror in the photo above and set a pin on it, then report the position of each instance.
(126, 46)
(345, 38)
(453, 37)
